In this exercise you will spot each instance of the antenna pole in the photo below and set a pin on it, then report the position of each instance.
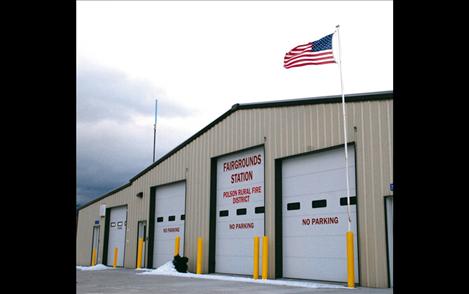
(154, 129)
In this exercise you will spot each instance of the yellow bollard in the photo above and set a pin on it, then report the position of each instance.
(139, 252)
(199, 256)
(255, 272)
(93, 258)
(350, 259)
(176, 245)
(115, 257)
(265, 256)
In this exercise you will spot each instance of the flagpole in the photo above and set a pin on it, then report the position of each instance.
(349, 234)
(345, 133)
(154, 130)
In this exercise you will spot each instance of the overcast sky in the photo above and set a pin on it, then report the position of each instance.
(200, 58)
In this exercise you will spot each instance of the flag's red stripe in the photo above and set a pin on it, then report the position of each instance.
(308, 52)
(291, 52)
(287, 59)
(301, 47)
(308, 59)
(308, 56)
(309, 63)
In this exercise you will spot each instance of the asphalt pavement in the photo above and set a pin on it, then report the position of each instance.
(127, 281)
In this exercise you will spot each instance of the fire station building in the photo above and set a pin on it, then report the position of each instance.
(274, 169)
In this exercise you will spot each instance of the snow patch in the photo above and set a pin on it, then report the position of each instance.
(168, 269)
(98, 267)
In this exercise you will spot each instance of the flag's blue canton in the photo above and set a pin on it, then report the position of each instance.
(323, 43)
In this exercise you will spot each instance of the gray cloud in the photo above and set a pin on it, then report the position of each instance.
(108, 94)
(111, 149)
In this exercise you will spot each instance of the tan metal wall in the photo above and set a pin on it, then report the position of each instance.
(284, 131)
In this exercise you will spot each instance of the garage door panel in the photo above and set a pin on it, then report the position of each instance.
(235, 258)
(330, 181)
(324, 160)
(253, 200)
(117, 230)
(234, 264)
(325, 269)
(314, 221)
(311, 212)
(226, 181)
(241, 200)
(240, 230)
(306, 207)
(242, 218)
(164, 243)
(236, 247)
(170, 190)
(322, 247)
(169, 204)
(236, 219)
(292, 171)
(163, 236)
(332, 197)
(311, 225)
(164, 256)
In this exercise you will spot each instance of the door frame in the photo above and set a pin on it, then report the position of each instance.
(92, 243)
(388, 262)
(145, 243)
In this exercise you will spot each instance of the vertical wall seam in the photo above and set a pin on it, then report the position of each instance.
(365, 198)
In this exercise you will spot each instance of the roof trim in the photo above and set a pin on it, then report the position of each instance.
(105, 195)
(372, 96)
(357, 97)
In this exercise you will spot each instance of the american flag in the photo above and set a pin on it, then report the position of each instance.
(313, 53)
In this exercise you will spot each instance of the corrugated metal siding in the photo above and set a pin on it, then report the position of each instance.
(288, 131)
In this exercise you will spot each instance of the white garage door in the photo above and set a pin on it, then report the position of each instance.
(169, 221)
(240, 210)
(117, 229)
(314, 210)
